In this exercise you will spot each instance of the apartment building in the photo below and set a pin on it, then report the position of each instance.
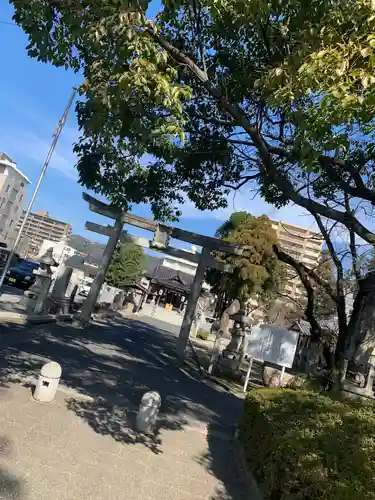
(39, 227)
(302, 244)
(13, 192)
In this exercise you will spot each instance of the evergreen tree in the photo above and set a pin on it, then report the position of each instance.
(257, 273)
(126, 265)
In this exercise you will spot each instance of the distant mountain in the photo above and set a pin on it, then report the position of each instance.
(93, 250)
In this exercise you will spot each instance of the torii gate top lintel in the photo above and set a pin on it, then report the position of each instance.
(208, 242)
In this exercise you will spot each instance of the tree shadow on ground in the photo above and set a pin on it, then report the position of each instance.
(111, 365)
(223, 461)
(11, 487)
(118, 422)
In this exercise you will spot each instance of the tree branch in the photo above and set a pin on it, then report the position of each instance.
(214, 120)
(175, 53)
(331, 249)
(197, 13)
(302, 268)
(328, 162)
(285, 296)
(244, 180)
(340, 291)
(352, 245)
(240, 142)
(312, 206)
(316, 330)
(265, 151)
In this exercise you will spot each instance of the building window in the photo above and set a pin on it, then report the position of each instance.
(11, 223)
(13, 196)
(7, 189)
(22, 184)
(21, 197)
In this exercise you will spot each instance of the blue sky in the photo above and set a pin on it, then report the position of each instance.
(32, 99)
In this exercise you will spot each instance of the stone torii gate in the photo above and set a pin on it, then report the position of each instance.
(160, 242)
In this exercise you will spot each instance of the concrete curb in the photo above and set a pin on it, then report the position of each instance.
(250, 481)
(7, 317)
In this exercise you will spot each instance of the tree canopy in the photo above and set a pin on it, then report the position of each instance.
(257, 272)
(126, 265)
(219, 94)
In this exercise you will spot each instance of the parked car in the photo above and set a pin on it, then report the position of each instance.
(21, 274)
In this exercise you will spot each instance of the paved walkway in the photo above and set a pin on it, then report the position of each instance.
(83, 445)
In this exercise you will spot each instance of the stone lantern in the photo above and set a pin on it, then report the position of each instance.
(232, 356)
(35, 297)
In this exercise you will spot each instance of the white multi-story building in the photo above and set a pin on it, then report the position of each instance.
(13, 193)
(302, 244)
(39, 227)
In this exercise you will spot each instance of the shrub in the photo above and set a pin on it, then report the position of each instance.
(304, 446)
(202, 334)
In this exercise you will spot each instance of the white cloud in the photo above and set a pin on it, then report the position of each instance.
(26, 134)
(32, 146)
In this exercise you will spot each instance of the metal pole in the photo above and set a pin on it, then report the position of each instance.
(248, 375)
(56, 136)
(281, 380)
(192, 303)
(92, 297)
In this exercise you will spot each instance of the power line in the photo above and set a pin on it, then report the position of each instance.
(56, 136)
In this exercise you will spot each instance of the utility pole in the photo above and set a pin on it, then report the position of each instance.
(92, 297)
(56, 136)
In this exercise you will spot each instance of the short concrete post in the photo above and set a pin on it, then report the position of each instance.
(148, 411)
(48, 381)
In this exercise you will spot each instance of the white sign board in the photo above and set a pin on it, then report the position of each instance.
(272, 344)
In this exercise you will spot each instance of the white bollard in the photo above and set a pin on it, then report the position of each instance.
(48, 382)
(148, 411)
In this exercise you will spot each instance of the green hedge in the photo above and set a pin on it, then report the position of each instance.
(305, 446)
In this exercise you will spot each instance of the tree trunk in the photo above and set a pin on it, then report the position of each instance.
(361, 329)
(339, 365)
(313, 357)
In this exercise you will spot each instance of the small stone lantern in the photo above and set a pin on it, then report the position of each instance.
(233, 354)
